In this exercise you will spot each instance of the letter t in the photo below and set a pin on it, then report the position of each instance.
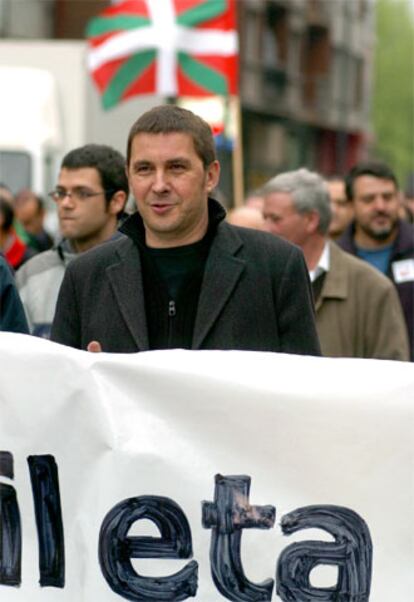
(227, 516)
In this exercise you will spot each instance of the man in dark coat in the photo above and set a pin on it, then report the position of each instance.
(378, 235)
(12, 316)
(182, 277)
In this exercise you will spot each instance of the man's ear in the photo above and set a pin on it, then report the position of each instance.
(117, 202)
(212, 176)
(313, 220)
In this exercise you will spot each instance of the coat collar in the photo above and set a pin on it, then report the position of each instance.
(336, 281)
(134, 227)
(221, 275)
(403, 242)
(125, 276)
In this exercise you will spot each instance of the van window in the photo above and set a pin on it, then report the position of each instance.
(15, 170)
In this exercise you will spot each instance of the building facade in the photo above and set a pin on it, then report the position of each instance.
(305, 84)
(305, 75)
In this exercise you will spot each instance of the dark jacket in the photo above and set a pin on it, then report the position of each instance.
(12, 316)
(255, 295)
(402, 249)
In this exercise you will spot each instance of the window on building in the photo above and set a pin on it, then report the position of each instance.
(316, 59)
(2, 19)
(70, 23)
(275, 36)
(275, 49)
(250, 38)
(26, 20)
(362, 8)
(359, 84)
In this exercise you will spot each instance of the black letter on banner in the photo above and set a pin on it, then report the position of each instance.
(227, 517)
(116, 549)
(10, 527)
(46, 498)
(351, 553)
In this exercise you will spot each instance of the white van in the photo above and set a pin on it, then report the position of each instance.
(30, 128)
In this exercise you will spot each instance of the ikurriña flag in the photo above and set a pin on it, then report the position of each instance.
(166, 47)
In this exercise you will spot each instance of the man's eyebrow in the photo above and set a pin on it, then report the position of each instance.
(178, 160)
(142, 162)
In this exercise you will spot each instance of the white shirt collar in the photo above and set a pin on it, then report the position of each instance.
(323, 263)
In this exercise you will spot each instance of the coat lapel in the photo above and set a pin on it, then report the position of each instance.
(336, 281)
(222, 272)
(125, 277)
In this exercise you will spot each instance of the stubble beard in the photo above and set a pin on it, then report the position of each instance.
(380, 234)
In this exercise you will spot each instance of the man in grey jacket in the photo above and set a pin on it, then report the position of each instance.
(90, 194)
(182, 277)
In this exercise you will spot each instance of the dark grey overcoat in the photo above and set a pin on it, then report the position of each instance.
(255, 295)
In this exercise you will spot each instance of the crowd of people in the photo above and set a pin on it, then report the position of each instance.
(310, 265)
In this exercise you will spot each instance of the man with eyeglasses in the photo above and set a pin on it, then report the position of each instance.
(182, 277)
(90, 196)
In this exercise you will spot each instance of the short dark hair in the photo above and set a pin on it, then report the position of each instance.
(368, 168)
(25, 195)
(109, 163)
(167, 119)
(8, 214)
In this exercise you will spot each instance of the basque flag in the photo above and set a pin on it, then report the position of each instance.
(165, 47)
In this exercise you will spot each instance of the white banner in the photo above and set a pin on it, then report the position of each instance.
(216, 475)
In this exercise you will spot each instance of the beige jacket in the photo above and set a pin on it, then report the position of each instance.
(358, 313)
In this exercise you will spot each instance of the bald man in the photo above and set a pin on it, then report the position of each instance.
(247, 217)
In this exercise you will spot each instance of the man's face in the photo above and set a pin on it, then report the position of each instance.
(376, 206)
(84, 222)
(7, 195)
(342, 208)
(171, 188)
(282, 218)
(30, 215)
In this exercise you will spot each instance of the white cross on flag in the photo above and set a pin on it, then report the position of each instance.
(165, 47)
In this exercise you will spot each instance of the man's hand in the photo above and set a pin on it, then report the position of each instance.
(94, 347)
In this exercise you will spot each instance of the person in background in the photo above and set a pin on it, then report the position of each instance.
(6, 193)
(12, 316)
(358, 313)
(90, 195)
(341, 207)
(408, 199)
(246, 217)
(30, 212)
(378, 235)
(182, 277)
(254, 199)
(12, 246)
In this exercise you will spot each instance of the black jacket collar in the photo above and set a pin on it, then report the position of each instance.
(134, 227)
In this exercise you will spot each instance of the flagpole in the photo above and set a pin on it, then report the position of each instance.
(237, 156)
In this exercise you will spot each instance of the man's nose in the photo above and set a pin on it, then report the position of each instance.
(67, 201)
(380, 203)
(160, 183)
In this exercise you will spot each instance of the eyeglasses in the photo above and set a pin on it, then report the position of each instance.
(77, 194)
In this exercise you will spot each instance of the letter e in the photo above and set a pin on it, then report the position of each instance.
(116, 549)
